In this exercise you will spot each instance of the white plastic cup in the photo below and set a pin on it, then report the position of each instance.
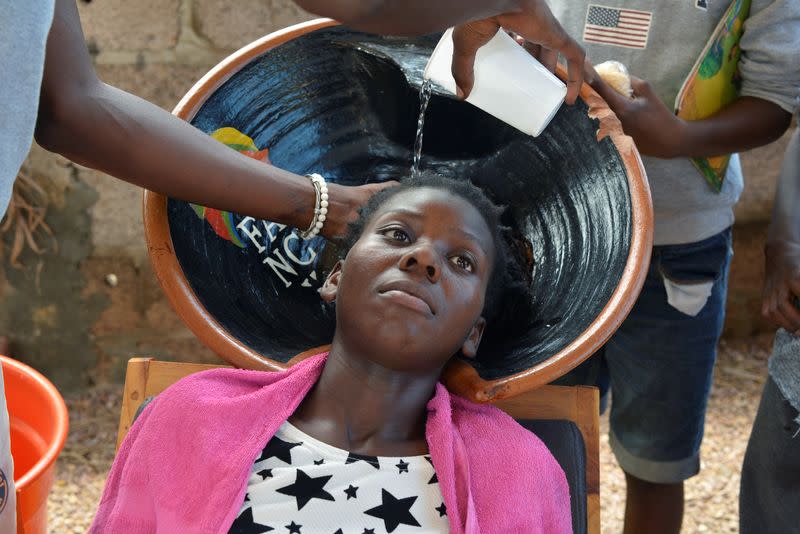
(510, 84)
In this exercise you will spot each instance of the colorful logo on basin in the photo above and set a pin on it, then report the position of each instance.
(288, 256)
(222, 222)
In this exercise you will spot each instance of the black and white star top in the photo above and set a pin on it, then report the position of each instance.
(300, 485)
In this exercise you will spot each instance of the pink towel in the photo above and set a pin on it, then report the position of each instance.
(183, 467)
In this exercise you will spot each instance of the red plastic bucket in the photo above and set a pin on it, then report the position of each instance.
(39, 424)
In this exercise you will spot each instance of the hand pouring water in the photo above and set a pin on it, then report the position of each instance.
(510, 84)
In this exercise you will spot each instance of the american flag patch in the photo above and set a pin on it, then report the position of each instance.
(619, 27)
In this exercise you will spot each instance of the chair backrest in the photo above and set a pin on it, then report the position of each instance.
(146, 378)
(578, 404)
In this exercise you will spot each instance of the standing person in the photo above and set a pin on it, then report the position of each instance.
(769, 500)
(48, 84)
(659, 363)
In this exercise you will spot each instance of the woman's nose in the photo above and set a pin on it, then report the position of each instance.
(422, 258)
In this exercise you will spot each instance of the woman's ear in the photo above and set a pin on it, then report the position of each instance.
(331, 285)
(470, 347)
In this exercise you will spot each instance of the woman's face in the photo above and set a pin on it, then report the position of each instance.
(411, 290)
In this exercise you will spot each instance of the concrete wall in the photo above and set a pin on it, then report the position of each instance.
(59, 311)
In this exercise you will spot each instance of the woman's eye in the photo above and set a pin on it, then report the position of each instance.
(463, 263)
(398, 235)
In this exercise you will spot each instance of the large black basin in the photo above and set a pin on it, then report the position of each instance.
(345, 104)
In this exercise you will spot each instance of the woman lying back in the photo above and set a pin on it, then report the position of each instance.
(364, 439)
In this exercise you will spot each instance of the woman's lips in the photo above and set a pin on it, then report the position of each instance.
(407, 300)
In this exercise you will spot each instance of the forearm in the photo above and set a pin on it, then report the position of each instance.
(120, 134)
(133, 140)
(746, 124)
(408, 17)
(785, 224)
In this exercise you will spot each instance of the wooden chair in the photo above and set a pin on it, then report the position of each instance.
(146, 378)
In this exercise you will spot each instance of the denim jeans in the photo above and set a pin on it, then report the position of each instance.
(659, 364)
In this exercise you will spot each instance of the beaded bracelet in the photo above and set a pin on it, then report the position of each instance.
(320, 207)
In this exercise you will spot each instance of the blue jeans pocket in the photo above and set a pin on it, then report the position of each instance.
(695, 263)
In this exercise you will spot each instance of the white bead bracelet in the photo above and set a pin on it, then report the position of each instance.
(320, 207)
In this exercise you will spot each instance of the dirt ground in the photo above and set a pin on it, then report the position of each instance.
(711, 497)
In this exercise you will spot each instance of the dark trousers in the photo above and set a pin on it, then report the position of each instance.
(769, 499)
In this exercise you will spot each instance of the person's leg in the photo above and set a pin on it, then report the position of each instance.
(642, 498)
(8, 498)
(661, 363)
(769, 498)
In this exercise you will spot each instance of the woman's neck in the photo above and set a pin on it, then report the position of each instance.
(366, 408)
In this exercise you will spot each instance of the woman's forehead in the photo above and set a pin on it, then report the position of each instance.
(437, 204)
(417, 199)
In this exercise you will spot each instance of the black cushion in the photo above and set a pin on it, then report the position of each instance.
(565, 442)
(141, 407)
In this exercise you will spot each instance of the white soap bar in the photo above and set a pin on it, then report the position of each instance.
(616, 75)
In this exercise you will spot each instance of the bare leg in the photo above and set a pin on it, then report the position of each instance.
(653, 508)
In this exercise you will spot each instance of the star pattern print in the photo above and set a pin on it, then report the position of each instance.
(352, 492)
(245, 524)
(299, 485)
(277, 448)
(434, 479)
(394, 511)
(306, 488)
(371, 460)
